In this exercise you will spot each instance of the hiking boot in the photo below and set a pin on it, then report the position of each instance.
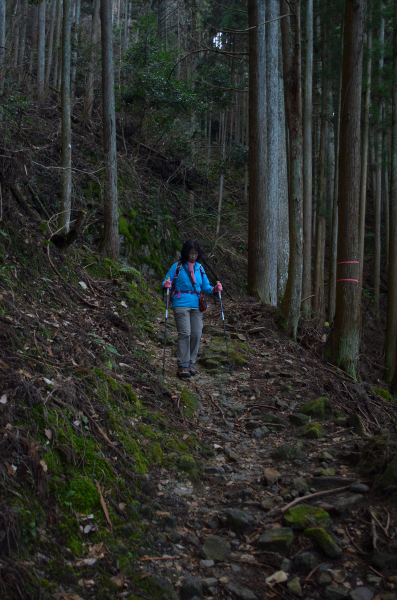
(183, 372)
(192, 370)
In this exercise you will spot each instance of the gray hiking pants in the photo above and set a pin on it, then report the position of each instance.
(189, 323)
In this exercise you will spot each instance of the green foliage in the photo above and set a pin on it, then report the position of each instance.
(150, 89)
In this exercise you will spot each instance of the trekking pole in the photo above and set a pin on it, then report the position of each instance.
(224, 329)
(165, 328)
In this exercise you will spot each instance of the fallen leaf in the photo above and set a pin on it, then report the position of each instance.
(4, 364)
(48, 381)
(86, 562)
(26, 373)
(97, 550)
(87, 528)
(162, 513)
(123, 304)
(11, 469)
(83, 285)
(3, 399)
(86, 582)
(224, 580)
(122, 505)
(277, 577)
(44, 466)
(119, 579)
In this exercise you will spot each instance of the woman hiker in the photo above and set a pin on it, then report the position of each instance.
(188, 281)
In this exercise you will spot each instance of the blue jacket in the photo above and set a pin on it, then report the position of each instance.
(183, 284)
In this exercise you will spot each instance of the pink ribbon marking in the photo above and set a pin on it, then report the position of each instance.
(356, 280)
(349, 262)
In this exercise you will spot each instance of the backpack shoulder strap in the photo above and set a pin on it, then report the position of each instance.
(178, 270)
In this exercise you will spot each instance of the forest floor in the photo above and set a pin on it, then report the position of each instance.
(116, 483)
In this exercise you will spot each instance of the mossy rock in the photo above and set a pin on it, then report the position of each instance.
(304, 516)
(276, 540)
(177, 445)
(384, 394)
(187, 463)
(355, 422)
(155, 588)
(321, 408)
(147, 432)
(324, 541)
(83, 494)
(189, 402)
(389, 477)
(155, 453)
(312, 431)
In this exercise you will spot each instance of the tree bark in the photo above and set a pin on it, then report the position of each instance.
(318, 287)
(89, 90)
(272, 79)
(66, 195)
(41, 51)
(308, 162)
(50, 48)
(22, 39)
(57, 42)
(222, 177)
(345, 336)
(77, 38)
(364, 160)
(390, 373)
(283, 235)
(2, 42)
(378, 192)
(257, 151)
(110, 247)
(290, 305)
(334, 210)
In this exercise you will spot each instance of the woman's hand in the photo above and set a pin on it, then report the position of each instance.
(218, 288)
(167, 284)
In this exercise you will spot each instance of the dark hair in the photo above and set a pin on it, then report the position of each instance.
(187, 246)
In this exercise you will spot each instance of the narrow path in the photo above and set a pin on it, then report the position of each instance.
(226, 535)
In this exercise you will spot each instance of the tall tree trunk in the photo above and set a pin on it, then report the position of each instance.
(290, 306)
(33, 36)
(50, 49)
(386, 195)
(66, 196)
(345, 336)
(110, 245)
(57, 43)
(77, 38)
(22, 39)
(222, 177)
(364, 160)
(378, 192)
(14, 38)
(272, 78)
(308, 162)
(257, 151)
(318, 287)
(334, 213)
(125, 36)
(89, 89)
(2, 42)
(283, 229)
(390, 373)
(41, 51)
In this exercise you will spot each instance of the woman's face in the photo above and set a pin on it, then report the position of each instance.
(193, 254)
